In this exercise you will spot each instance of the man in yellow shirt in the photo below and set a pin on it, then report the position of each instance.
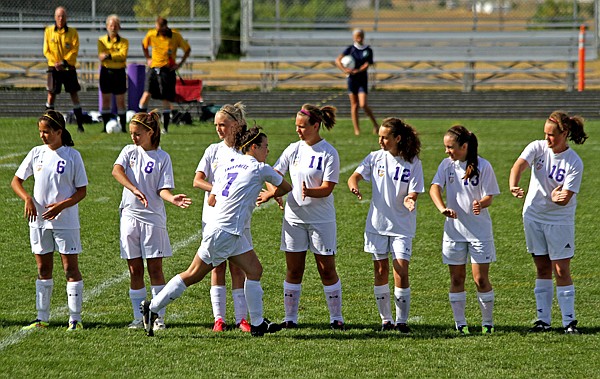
(160, 74)
(112, 52)
(61, 46)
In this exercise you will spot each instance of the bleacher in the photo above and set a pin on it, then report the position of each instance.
(467, 57)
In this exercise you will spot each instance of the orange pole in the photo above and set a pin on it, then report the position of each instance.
(581, 81)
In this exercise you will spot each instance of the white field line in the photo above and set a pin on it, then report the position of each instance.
(91, 294)
(12, 155)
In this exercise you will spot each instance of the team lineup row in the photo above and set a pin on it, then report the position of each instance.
(233, 172)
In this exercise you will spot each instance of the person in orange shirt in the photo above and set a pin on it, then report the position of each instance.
(61, 46)
(162, 66)
(112, 52)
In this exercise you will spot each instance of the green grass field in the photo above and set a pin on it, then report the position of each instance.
(188, 348)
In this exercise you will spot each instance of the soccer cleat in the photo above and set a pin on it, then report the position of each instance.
(337, 325)
(36, 324)
(266, 327)
(288, 325)
(402, 328)
(487, 329)
(539, 326)
(159, 324)
(386, 326)
(219, 326)
(136, 324)
(572, 328)
(463, 330)
(74, 326)
(244, 326)
(148, 318)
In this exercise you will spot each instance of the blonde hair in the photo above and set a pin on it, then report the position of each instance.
(113, 17)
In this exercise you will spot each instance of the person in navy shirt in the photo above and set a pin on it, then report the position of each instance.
(358, 78)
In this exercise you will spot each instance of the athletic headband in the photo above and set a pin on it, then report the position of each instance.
(55, 121)
(554, 120)
(143, 123)
(310, 115)
(229, 113)
(252, 139)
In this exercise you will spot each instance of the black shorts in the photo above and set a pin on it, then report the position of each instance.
(113, 80)
(358, 83)
(160, 82)
(68, 78)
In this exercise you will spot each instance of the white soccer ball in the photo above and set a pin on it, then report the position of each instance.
(348, 62)
(113, 126)
(129, 116)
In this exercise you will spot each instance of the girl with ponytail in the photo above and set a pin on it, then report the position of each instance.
(549, 214)
(53, 214)
(470, 185)
(146, 174)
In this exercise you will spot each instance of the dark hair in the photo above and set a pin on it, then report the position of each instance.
(324, 115)
(409, 146)
(462, 136)
(254, 136)
(150, 121)
(161, 21)
(56, 121)
(572, 124)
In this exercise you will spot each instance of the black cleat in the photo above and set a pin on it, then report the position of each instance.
(337, 325)
(266, 327)
(572, 328)
(402, 328)
(288, 325)
(387, 326)
(148, 317)
(539, 326)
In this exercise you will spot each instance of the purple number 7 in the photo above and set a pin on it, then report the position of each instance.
(230, 178)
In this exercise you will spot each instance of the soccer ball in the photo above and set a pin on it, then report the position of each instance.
(129, 116)
(348, 62)
(113, 126)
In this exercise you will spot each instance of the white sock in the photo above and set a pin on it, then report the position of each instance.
(486, 305)
(333, 295)
(155, 291)
(173, 289)
(382, 299)
(218, 299)
(291, 300)
(136, 297)
(402, 300)
(458, 302)
(544, 293)
(74, 300)
(43, 294)
(239, 304)
(566, 301)
(254, 297)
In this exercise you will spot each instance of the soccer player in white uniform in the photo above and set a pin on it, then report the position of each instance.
(396, 177)
(309, 218)
(470, 185)
(146, 173)
(234, 195)
(549, 214)
(229, 120)
(53, 214)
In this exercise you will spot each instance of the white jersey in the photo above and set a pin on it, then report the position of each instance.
(548, 171)
(57, 175)
(215, 155)
(236, 188)
(460, 194)
(392, 178)
(312, 165)
(150, 171)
